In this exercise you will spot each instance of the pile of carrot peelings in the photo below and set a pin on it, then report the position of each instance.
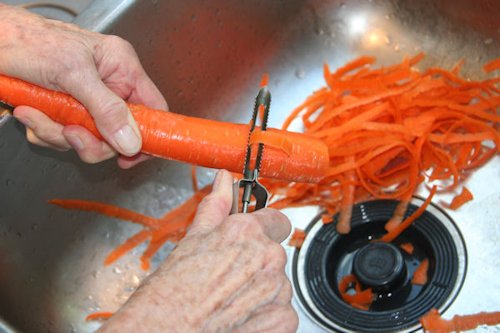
(389, 129)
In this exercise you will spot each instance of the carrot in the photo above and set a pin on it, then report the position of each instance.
(394, 233)
(297, 238)
(407, 247)
(461, 198)
(360, 299)
(420, 274)
(168, 135)
(99, 315)
(433, 323)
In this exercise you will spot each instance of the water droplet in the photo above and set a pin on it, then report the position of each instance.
(117, 270)
(34, 227)
(9, 182)
(18, 234)
(135, 280)
(387, 40)
(89, 297)
(95, 274)
(300, 73)
(397, 48)
(319, 31)
(488, 41)
(107, 235)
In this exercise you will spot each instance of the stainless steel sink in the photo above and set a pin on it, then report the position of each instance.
(207, 58)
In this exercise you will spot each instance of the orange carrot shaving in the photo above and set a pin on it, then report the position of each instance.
(420, 274)
(492, 65)
(360, 299)
(407, 247)
(390, 129)
(460, 199)
(271, 140)
(326, 218)
(264, 80)
(433, 323)
(99, 315)
(394, 233)
(297, 238)
(171, 227)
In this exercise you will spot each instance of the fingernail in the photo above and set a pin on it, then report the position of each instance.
(218, 180)
(128, 141)
(75, 142)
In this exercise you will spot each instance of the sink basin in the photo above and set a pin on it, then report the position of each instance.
(207, 58)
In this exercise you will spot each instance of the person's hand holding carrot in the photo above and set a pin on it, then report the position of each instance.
(100, 71)
(226, 275)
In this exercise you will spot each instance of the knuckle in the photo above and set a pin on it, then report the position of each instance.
(114, 41)
(277, 255)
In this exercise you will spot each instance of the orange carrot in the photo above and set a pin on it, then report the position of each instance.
(99, 315)
(297, 238)
(420, 274)
(461, 198)
(433, 323)
(407, 247)
(361, 299)
(168, 135)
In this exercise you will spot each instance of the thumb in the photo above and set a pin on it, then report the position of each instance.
(215, 207)
(111, 114)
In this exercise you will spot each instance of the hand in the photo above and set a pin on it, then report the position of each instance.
(98, 70)
(226, 275)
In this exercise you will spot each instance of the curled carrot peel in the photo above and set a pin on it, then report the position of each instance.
(394, 233)
(433, 323)
(420, 274)
(462, 198)
(103, 315)
(168, 135)
(271, 140)
(360, 299)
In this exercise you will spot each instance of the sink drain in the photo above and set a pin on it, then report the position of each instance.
(326, 257)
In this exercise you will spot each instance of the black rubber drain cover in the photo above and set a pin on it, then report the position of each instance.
(326, 257)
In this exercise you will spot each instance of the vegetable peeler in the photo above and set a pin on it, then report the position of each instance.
(249, 182)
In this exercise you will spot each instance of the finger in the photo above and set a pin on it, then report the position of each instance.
(272, 319)
(147, 93)
(215, 207)
(133, 84)
(126, 162)
(88, 147)
(42, 130)
(111, 114)
(274, 224)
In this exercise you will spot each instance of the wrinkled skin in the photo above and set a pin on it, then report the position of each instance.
(98, 70)
(226, 275)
